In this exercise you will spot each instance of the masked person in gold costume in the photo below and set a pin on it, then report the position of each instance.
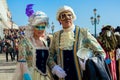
(63, 58)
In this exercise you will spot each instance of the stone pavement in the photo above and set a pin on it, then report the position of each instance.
(6, 68)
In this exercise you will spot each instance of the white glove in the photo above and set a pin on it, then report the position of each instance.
(57, 70)
(82, 64)
(118, 54)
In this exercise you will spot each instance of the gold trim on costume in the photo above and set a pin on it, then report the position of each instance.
(75, 55)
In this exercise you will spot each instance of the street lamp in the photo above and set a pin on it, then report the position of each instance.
(52, 27)
(95, 20)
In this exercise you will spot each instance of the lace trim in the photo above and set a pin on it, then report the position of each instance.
(32, 41)
(67, 40)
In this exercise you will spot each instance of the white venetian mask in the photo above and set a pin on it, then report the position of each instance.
(109, 33)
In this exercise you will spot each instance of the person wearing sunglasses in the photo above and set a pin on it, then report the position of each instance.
(34, 50)
(63, 60)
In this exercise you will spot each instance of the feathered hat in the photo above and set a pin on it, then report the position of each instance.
(37, 17)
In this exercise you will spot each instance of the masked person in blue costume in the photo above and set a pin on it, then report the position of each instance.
(63, 60)
(33, 50)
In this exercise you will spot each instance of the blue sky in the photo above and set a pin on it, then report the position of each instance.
(109, 10)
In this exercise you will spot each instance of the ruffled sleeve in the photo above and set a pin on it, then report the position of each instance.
(25, 51)
(92, 43)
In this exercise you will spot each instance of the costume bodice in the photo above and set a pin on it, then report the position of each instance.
(40, 56)
(41, 60)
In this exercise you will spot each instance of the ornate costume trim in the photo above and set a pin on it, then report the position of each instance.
(75, 51)
(34, 56)
(75, 46)
(60, 51)
(67, 38)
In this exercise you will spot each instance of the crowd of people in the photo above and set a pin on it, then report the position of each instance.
(9, 44)
(71, 54)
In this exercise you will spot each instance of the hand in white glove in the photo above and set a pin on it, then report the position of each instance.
(82, 64)
(57, 70)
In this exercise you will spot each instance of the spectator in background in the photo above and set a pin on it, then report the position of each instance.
(108, 41)
(16, 51)
(117, 34)
(9, 49)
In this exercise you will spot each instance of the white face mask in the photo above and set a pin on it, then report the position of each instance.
(108, 33)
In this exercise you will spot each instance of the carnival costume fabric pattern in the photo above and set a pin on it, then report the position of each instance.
(82, 38)
(28, 53)
(66, 40)
(33, 48)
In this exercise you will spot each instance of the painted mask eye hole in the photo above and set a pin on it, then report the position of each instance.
(70, 16)
(62, 16)
(39, 27)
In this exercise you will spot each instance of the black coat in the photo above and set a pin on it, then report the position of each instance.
(9, 48)
(96, 69)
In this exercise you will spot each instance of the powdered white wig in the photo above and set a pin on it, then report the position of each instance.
(65, 8)
(37, 18)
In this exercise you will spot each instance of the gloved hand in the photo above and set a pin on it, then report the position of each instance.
(27, 76)
(82, 63)
(58, 71)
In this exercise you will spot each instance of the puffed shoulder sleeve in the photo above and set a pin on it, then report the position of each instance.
(51, 61)
(92, 43)
(25, 50)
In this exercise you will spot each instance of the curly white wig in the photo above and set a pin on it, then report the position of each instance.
(38, 17)
(65, 8)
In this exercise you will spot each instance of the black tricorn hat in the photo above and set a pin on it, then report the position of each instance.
(107, 27)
